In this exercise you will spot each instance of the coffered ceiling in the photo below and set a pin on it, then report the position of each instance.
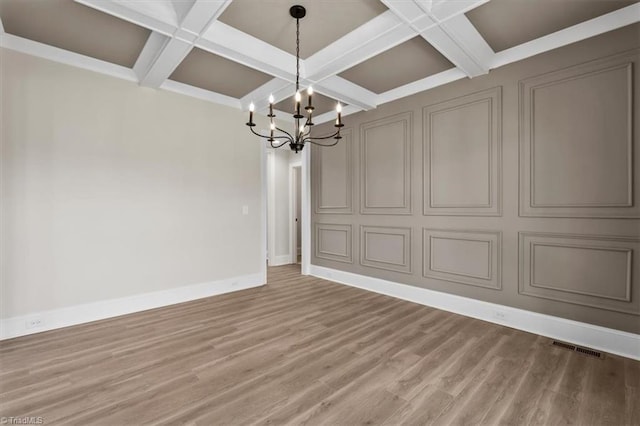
(362, 53)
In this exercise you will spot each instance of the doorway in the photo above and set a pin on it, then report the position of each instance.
(296, 213)
(286, 208)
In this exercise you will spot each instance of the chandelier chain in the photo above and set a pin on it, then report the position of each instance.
(297, 54)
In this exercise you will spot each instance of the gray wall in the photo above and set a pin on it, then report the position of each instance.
(111, 190)
(515, 188)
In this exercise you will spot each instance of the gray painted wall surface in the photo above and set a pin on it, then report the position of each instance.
(516, 188)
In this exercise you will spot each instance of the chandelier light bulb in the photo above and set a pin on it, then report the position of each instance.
(272, 126)
(251, 108)
(271, 99)
(298, 97)
(310, 91)
(338, 107)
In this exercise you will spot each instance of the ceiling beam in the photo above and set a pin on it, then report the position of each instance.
(602, 24)
(443, 10)
(459, 41)
(381, 33)
(152, 19)
(331, 115)
(178, 27)
(280, 90)
(426, 83)
(41, 50)
(345, 91)
(446, 28)
(175, 31)
(149, 54)
(171, 52)
(196, 92)
(226, 41)
(164, 54)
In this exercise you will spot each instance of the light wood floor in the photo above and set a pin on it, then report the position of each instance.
(305, 351)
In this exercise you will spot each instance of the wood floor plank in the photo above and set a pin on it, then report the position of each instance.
(306, 351)
(423, 409)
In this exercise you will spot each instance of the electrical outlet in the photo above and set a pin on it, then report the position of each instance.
(500, 315)
(34, 323)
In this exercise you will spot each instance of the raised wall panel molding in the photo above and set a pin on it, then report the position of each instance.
(597, 271)
(386, 248)
(333, 176)
(463, 257)
(462, 149)
(334, 242)
(385, 165)
(577, 143)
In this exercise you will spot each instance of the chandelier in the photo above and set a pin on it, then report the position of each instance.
(302, 131)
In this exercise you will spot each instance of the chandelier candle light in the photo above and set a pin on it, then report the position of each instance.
(302, 133)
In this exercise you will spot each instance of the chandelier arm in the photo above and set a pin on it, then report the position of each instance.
(286, 133)
(325, 137)
(278, 146)
(322, 144)
(267, 137)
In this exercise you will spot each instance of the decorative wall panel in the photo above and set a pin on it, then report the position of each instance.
(333, 242)
(333, 176)
(587, 270)
(576, 142)
(386, 248)
(385, 165)
(464, 257)
(462, 155)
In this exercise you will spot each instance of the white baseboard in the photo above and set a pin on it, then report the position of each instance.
(583, 334)
(79, 314)
(283, 259)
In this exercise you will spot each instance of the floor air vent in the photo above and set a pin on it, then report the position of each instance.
(585, 351)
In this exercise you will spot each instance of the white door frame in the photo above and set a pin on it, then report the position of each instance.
(264, 205)
(293, 229)
(305, 193)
